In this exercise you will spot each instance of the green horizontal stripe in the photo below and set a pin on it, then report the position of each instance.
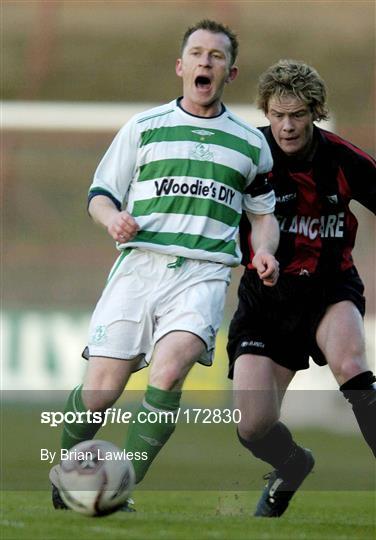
(187, 206)
(191, 168)
(190, 241)
(189, 133)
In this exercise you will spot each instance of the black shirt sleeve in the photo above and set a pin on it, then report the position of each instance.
(360, 171)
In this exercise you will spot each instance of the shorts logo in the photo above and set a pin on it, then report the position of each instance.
(258, 344)
(212, 331)
(99, 335)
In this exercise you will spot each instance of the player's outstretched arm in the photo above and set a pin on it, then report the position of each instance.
(120, 225)
(265, 239)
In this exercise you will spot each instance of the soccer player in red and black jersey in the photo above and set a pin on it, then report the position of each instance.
(317, 306)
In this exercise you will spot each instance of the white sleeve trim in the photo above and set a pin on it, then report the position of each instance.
(263, 204)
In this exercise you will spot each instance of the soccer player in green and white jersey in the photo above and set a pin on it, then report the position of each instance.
(170, 191)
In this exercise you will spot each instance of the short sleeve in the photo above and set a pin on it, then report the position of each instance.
(259, 197)
(118, 165)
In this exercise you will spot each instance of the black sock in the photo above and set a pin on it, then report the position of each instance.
(277, 447)
(360, 391)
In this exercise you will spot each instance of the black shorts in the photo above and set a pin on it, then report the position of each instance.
(280, 322)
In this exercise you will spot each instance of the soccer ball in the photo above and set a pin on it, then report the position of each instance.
(96, 478)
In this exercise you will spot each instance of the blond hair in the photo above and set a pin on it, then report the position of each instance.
(293, 78)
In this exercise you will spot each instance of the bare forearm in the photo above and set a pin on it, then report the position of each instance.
(265, 233)
(120, 225)
(265, 238)
(102, 210)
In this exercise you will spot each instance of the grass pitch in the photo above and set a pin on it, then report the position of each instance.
(194, 515)
(222, 485)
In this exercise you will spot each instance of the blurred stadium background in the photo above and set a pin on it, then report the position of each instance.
(61, 59)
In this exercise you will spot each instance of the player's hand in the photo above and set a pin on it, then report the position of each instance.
(267, 268)
(122, 227)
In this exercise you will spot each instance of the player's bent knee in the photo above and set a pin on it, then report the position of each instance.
(169, 373)
(348, 368)
(99, 400)
(168, 379)
(104, 381)
(100, 393)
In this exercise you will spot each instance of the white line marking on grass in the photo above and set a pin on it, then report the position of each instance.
(15, 524)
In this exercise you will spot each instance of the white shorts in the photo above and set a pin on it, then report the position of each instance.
(145, 299)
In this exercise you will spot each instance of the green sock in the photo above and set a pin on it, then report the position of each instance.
(150, 437)
(76, 432)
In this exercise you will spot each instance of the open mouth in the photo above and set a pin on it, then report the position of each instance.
(202, 82)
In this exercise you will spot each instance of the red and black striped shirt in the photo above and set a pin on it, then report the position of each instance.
(317, 227)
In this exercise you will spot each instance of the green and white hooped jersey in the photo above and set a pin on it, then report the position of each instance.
(183, 178)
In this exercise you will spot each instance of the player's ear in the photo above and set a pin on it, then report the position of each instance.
(234, 70)
(178, 67)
